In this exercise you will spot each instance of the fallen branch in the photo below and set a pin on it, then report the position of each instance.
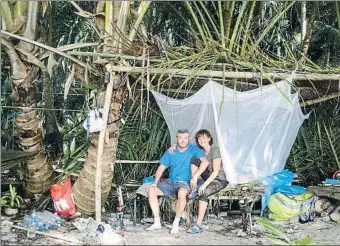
(49, 235)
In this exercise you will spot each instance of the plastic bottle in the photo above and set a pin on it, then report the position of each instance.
(49, 223)
(34, 218)
(58, 222)
(32, 224)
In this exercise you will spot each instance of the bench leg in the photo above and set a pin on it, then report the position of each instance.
(188, 211)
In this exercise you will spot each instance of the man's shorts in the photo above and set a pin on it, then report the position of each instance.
(170, 188)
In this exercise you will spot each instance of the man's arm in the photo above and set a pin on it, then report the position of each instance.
(164, 163)
(159, 173)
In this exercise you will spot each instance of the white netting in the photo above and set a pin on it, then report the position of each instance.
(255, 129)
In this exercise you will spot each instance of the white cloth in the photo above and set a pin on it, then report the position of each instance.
(255, 129)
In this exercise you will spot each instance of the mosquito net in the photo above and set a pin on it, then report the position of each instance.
(254, 129)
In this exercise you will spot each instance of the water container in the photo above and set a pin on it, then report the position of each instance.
(33, 218)
(40, 226)
(54, 217)
(31, 232)
(49, 217)
(26, 221)
(50, 224)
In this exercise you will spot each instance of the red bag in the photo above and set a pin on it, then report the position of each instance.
(62, 197)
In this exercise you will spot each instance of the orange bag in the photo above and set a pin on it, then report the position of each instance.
(62, 197)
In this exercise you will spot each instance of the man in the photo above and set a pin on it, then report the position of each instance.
(179, 177)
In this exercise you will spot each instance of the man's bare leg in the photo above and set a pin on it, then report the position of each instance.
(153, 194)
(194, 168)
(182, 200)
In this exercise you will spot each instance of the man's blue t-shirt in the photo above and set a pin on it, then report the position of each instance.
(180, 162)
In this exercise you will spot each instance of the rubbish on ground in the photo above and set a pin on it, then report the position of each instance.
(62, 197)
(42, 221)
(54, 235)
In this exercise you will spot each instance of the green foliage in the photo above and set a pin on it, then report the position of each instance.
(143, 137)
(11, 199)
(316, 152)
(276, 236)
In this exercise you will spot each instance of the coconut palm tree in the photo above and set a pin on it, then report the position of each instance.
(20, 17)
(116, 35)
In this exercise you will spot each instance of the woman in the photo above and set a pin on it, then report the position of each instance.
(214, 179)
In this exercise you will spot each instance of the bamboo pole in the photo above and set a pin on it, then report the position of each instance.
(230, 75)
(99, 166)
(318, 100)
(108, 55)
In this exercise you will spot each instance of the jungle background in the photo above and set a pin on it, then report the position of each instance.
(46, 95)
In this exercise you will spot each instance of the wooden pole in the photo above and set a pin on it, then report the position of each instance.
(99, 167)
(228, 74)
(321, 99)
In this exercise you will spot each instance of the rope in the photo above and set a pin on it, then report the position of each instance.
(50, 109)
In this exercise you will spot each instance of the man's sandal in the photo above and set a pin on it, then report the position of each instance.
(196, 229)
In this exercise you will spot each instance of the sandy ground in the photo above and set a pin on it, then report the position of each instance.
(227, 232)
(224, 231)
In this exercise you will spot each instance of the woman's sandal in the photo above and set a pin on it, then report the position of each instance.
(196, 229)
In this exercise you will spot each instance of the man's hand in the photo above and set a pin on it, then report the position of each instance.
(153, 184)
(201, 190)
(193, 182)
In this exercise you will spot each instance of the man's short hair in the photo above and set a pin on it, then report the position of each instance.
(181, 131)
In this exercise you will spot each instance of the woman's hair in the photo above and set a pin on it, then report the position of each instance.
(206, 133)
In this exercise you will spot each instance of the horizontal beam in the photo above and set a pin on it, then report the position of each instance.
(228, 74)
(109, 55)
(318, 100)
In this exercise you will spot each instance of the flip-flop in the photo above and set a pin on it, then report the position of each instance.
(196, 229)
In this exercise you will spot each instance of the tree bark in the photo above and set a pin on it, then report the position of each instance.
(39, 173)
(84, 189)
(307, 27)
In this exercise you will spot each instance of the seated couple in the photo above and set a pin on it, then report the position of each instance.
(187, 163)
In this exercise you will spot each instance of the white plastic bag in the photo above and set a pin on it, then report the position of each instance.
(93, 122)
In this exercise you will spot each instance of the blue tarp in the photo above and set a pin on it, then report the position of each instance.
(280, 182)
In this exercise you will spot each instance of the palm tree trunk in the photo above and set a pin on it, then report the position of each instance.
(84, 187)
(116, 13)
(39, 173)
(307, 27)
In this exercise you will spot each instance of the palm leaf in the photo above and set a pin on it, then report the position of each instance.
(272, 229)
